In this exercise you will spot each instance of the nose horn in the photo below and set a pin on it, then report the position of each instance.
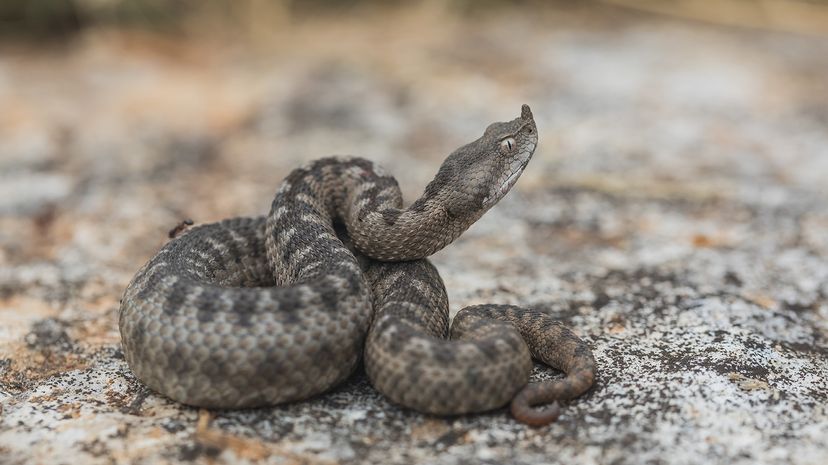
(525, 112)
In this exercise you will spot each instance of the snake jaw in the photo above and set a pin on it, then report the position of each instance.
(509, 178)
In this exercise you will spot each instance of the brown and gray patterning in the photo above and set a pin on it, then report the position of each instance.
(251, 312)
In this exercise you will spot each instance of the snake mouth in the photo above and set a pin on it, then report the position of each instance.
(507, 184)
(512, 179)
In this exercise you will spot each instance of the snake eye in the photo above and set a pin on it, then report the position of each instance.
(507, 145)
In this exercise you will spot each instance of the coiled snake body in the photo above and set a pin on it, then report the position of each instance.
(251, 312)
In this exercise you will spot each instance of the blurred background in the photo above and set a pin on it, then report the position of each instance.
(674, 214)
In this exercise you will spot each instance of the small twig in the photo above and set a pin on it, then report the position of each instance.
(179, 228)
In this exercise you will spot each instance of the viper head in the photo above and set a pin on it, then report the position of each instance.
(511, 145)
(477, 175)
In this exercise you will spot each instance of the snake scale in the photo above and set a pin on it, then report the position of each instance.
(251, 312)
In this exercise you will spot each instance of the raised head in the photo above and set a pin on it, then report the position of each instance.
(477, 175)
(470, 181)
(516, 141)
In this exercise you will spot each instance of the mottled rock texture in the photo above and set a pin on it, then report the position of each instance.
(675, 215)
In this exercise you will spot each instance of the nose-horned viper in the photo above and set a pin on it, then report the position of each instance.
(251, 312)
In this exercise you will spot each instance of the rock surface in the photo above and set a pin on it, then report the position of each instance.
(675, 215)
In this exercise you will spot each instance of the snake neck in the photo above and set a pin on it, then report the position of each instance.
(384, 231)
(411, 236)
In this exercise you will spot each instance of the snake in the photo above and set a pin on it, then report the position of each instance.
(258, 311)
